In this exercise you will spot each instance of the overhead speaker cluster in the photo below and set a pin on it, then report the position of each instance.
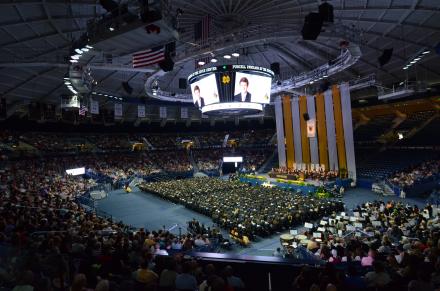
(313, 21)
(182, 83)
(127, 88)
(275, 67)
(167, 64)
(385, 57)
(306, 117)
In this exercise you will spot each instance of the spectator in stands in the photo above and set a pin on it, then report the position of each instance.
(423, 281)
(186, 281)
(145, 276)
(378, 277)
(369, 259)
(167, 280)
(233, 281)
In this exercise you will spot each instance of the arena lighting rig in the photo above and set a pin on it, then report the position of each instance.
(348, 57)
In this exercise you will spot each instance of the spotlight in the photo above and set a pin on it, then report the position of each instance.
(213, 60)
(111, 29)
(89, 47)
(201, 63)
(400, 135)
(235, 55)
(67, 83)
(75, 57)
(73, 61)
(84, 49)
(78, 51)
(426, 52)
(405, 68)
(227, 57)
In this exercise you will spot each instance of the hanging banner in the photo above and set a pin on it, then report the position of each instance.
(118, 109)
(70, 102)
(141, 111)
(94, 107)
(184, 112)
(162, 112)
(311, 128)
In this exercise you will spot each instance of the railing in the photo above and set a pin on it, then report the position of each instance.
(393, 187)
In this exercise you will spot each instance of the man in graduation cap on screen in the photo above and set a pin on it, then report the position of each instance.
(200, 101)
(244, 95)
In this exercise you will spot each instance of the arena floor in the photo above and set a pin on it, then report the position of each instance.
(141, 209)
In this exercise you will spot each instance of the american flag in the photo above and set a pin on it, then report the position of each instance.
(82, 110)
(148, 57)
(202, 29)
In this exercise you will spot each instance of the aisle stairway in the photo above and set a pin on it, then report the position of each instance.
(193, 162)
(271, 162)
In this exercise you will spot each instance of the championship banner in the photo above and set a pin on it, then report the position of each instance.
(94, 107)
(311, 128)
(118, 109)
(184, 112)
(162, 112)
(141, 111)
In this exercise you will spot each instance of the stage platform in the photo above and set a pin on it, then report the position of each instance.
(141, 209)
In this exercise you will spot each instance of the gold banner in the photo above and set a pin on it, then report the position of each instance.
(288, 131)
(340, 140)
(322, 131)
(303, 125)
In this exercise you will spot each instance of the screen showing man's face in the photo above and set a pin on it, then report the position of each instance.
(244, 87)
(197, 93)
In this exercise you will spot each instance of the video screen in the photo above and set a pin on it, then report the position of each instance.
(76, 171)
(252, 88)
(205, 91)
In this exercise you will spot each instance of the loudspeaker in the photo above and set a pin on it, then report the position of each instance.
(182, 83)
(170, 51)
(437, 48)
(312, 26)
(385, 57)
(306, 116)
(275, 67)
(324, 86)
(326, 12)
(127, 88)
(167, 64)
(108, 5)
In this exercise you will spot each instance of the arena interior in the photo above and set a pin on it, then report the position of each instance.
(219, 145)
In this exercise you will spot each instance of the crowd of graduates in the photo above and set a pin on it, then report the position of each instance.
(247, 210)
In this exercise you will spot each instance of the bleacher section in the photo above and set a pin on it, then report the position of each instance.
(380, 165)
(427, 136)
(373, 129)
(415, 119)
